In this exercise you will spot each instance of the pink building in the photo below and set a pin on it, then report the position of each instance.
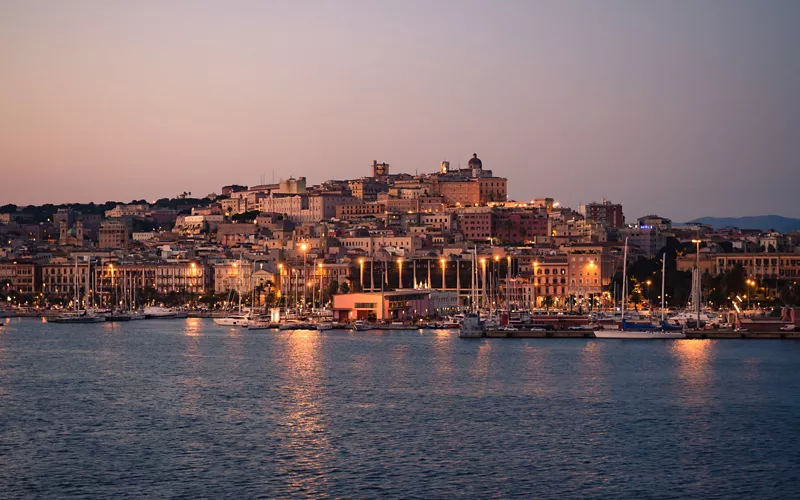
(395, 305)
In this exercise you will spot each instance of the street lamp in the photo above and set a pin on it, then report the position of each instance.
(361, 275)
(508, 282)
(483, 276)
(304, 248)
(400, 273)
(443, 262)
(320, 285)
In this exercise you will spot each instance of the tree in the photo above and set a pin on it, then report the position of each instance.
(333, 289)
(548, 302)
(344, 288)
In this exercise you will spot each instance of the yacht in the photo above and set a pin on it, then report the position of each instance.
(77, 317)
(233, 320)
(158, 312)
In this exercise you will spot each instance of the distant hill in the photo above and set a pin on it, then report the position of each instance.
(763, 222)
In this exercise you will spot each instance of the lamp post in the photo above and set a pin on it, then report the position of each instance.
(508, 282)
(399, 273)
(304, 248)
(483, 277)
(361, 273)
(647, 292)
(443, 263)
(321, 277)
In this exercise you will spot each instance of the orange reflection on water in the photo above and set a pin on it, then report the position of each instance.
(593, 371)
(480, 368)
(694, 370)
(304, 422)
(443, 356)
(193, 327)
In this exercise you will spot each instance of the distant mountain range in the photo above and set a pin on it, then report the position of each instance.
(762, 222)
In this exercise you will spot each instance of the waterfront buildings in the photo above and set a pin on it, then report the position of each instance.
(410, 235)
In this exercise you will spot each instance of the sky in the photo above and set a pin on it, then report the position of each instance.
(679, 108)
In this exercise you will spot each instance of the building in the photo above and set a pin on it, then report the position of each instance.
(518, 226)
(377, 306)
(113, 234)
(476, 224)
(607, 213)
(22, 277)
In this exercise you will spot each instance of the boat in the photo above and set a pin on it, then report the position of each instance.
(472, 326)
(233, 320)
(361, 326)
(260, 325)
(76, 317)
(635, 331)
(158, 312)
(324, 326)
(638, 334)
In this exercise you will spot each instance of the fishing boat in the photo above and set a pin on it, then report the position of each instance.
(629, 331)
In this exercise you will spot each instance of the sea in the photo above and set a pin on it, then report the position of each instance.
(188, 409)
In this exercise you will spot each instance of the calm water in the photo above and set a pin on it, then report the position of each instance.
(188, 409)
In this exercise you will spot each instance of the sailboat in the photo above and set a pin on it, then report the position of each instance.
(77, 315)
(638, 332)
(472, 326)
(239, 318)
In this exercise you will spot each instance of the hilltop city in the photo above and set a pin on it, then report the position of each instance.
(336, 245)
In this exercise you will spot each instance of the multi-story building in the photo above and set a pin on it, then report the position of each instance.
(134, 210)
(113, 234)
(476, 223)
(607, 213)
(517, 226)
(763, 265)
(370, 244)
(22, 277)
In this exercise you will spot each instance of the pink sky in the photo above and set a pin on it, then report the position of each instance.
(680, 108)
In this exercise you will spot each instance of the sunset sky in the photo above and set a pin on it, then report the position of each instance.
(681, 108)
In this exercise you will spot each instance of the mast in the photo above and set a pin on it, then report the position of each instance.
(624, 282)
(663, 274)
(75, 282)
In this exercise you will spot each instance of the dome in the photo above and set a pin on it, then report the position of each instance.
(475, 162)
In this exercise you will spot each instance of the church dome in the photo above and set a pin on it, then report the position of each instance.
(475, 162)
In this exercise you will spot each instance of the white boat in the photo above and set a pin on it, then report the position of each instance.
(158, 312)
(259, 325)
(233, 320)
(324, 326)
(77, 317)
(638, 334)
(361, 326)
(472, 327)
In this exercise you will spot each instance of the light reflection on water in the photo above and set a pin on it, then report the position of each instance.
(304, 443)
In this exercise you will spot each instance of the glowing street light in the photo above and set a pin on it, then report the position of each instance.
(400, 273)
(361, 274)
(443, 262)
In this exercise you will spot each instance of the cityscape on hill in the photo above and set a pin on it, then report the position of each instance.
(294, 245)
